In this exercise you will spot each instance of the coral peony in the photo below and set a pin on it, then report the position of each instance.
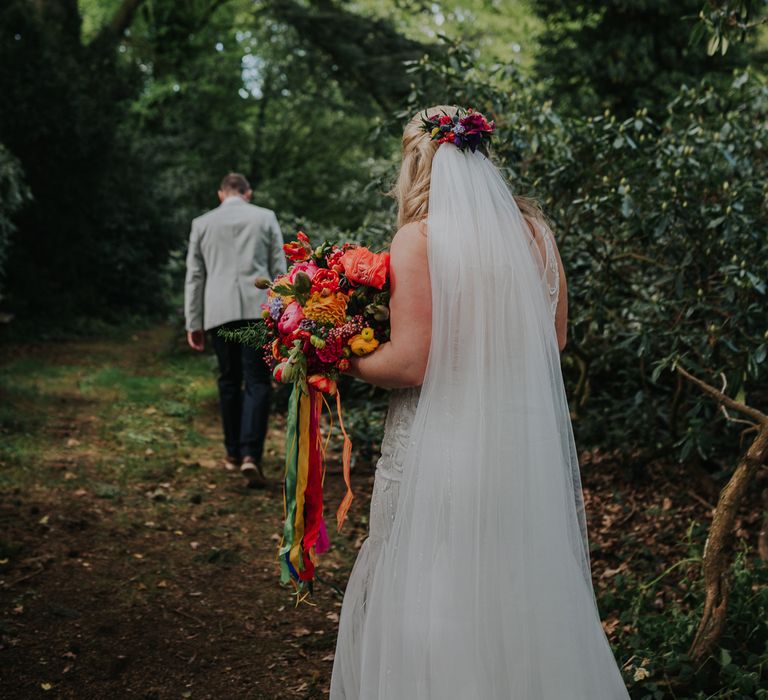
(361, 266)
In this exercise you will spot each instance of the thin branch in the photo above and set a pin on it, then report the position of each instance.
(724, 410)
(758, 416)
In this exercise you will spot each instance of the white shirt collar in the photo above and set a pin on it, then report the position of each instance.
(233, 198)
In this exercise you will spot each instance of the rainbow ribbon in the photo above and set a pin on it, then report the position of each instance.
(304, 532)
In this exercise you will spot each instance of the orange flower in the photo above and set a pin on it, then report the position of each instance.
(361, 266)
(327, 309)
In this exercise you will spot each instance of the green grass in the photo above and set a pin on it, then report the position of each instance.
(124, 409)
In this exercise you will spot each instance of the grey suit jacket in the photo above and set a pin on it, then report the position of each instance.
(229, 247)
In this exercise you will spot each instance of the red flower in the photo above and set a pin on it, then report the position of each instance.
(325, 279)
(331, 351)
(361, 266)
(299, 249)
(475, 123)
(445, 119)
(295, 252)
(322, 383)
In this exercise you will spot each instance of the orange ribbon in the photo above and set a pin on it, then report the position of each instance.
(346, 463)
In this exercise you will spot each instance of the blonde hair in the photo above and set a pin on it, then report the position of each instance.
(411, 190)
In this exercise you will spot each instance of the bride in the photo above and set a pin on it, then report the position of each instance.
(474, 582)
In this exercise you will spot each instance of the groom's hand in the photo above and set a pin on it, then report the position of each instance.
(196, 340)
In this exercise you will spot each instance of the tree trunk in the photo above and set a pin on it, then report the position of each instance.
(718, 549)
(762, 539)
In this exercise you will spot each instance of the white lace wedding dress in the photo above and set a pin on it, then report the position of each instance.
(386, 491)
(475, 581)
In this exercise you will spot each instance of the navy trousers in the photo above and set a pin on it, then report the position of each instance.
(245, 389)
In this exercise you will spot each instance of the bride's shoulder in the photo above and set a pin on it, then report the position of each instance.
(409, 246)
(411, 233)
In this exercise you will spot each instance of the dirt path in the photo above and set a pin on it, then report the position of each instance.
(132, 564)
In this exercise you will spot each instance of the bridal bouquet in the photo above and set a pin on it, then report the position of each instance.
(331, 304)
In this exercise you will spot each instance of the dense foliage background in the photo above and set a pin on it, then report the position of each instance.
(640, 125)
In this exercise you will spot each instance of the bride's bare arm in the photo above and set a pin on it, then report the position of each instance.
(401, 362)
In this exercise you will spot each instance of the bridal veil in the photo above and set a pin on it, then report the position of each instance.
(483, 591)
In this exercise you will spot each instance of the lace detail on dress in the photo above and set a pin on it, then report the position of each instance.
(551, 270)
(397, 432)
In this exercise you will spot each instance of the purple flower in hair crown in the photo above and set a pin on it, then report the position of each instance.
(465, 129)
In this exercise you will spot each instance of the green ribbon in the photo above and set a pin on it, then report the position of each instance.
(291, 467)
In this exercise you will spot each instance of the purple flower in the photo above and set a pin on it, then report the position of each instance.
(307, 325)
(275, 307)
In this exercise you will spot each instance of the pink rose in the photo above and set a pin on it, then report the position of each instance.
(291, 318)
(309, 267)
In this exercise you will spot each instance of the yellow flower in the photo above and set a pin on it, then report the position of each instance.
(435, 131)
(360, 346)
(327, 309)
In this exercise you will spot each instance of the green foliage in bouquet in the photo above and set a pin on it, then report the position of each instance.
(253, 335)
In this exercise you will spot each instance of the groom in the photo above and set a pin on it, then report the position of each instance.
(229, 247)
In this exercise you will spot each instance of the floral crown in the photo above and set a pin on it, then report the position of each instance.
(465, 129)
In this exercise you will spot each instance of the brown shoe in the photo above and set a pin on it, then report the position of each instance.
(252, 472)
(231, 463)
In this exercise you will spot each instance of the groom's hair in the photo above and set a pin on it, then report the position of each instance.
(235, 182)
